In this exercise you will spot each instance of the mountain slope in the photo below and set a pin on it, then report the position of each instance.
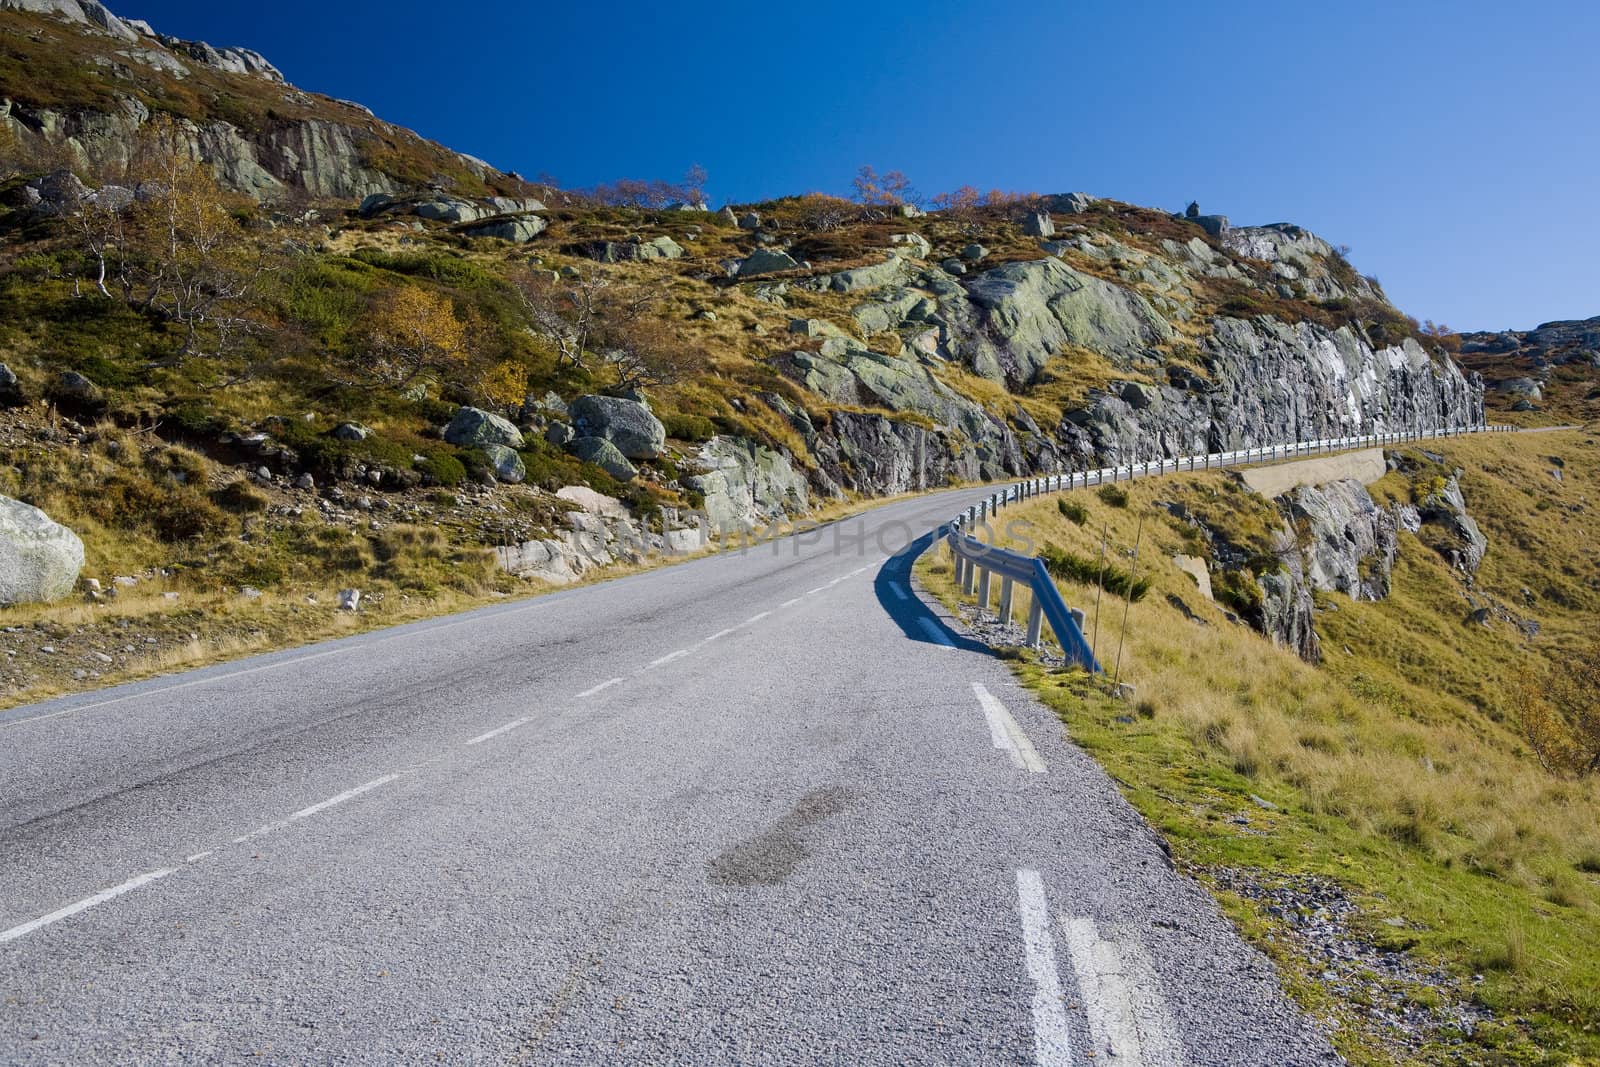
(77, 84)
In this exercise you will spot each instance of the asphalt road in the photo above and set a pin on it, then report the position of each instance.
(755, 808)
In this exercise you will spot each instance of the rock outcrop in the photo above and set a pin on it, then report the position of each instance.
(39, 558)
(747, 486)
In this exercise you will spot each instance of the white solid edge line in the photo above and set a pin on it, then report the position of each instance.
(83, 905)
(717, 636)
(497, 731)
(1052, 1042)
(818, 589)
(607, 684)
(348, 794)
(790, 603)
(668, 658)
(934, 632)
(899, 591)
(757, 617)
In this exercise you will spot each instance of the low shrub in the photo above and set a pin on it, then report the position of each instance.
(1111, 494)
(443, 468)
(694, 428)
(1075, 568)
(1074, 512)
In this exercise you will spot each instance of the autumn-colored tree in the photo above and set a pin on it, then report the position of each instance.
(822, 213)
(582, 315)
(1442, 335)
(1559, 712)
(596, 321)
(962, 202)
(694, 185)
(883, 190)
(411, 332)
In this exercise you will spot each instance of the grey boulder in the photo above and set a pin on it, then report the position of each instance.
(474, 428)
(508, 466)
(1039, 224)
(627, 424)
(518, 229)
(39, 558)
(766, 261)
(604, 454)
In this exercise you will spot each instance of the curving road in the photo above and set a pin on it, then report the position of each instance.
(755, 808)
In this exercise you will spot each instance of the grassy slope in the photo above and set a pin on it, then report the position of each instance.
(1396, 767)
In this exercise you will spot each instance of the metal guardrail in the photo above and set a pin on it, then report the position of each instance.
(976, 562)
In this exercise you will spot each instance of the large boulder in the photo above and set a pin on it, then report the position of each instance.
(765, 261)
(1039, 224)
(518, 229)
(508, 466)
(660, 248)
(448, 209)
(1350, 545)
(474, 428)
(627, 424)
(39, 558)
(604, 454)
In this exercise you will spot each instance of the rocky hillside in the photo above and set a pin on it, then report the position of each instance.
(77, 84)
(1552, 369)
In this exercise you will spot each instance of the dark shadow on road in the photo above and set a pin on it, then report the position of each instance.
(892, 584)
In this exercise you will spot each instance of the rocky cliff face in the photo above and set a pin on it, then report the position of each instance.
(233, 109)
(1189, 382)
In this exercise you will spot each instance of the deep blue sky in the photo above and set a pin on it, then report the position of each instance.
(1453, 145)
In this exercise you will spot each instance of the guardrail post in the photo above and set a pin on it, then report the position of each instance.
(968, 579)
(1035, 621)
(1005, 599)
(983, 590)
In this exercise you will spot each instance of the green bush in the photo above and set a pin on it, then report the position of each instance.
(444, 468)
(1075, 568)
(1073, 511)
(695, 428)
(1112, 495)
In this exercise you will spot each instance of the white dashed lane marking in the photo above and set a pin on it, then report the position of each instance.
(498, 730)
(1052, 1041)
(1005, 733)
(84, 905)
(607, 684)
(935, 633)
(668, 658)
